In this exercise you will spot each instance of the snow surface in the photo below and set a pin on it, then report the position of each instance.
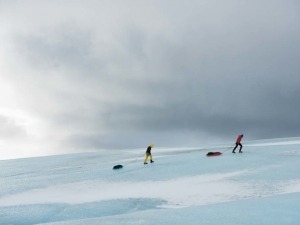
(183, 186)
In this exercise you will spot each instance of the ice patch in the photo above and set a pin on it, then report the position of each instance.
(292, 186)
(62, 212)
(180, 192)
(177, 193)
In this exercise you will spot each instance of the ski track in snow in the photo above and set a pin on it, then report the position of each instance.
(276, 143)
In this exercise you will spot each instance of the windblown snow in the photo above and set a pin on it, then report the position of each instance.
(83, 188)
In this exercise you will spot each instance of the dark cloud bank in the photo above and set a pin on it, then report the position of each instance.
(193, 73)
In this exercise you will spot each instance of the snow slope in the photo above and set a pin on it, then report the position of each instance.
(183, 186)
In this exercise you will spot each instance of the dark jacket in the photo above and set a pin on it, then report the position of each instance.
(148, 150)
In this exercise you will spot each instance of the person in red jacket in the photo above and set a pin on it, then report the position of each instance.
(238, 143)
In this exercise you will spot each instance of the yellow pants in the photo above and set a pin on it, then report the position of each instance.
(146, 158)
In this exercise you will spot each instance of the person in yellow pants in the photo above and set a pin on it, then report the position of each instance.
(148, 154)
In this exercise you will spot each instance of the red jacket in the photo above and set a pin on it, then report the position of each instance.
(239, 138)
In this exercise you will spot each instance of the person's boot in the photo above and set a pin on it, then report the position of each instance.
(240, 151)
(151, 161)
(233, 151)
(145, 163)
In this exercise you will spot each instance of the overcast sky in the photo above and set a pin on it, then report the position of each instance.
(115, 74)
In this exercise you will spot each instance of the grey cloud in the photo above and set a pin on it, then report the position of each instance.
(61, 48)
(195, 72)
(10, 129)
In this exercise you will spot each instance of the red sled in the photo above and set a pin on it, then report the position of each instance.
(214, 154)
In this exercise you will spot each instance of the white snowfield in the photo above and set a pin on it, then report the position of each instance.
(259, 186)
